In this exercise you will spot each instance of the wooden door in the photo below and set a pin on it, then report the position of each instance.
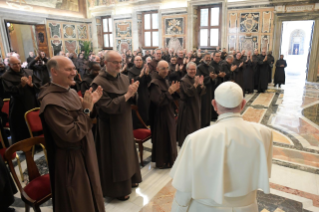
(42, 39)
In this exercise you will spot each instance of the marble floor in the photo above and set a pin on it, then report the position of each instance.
(292, 114)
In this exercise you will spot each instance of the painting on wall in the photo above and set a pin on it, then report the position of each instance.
(69, 31)
(123, 44)
(232, 25)
(266, 22)
(248, 43)
(55, 30)
(174, 26)
(264, 42)
(249, 22)
(123, 29)
(231, 42)
(176, 43)
(56, 46)
(70, 46)
(82, 32)
(71, 5)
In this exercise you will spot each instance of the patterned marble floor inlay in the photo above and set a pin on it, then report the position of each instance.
(295, 156)
(312, 114)
(254, 115)
(163, 200)
(264, 99)
(279, 137)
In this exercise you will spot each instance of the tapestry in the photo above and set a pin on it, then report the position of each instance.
(82, 32)
(174, 26)
(69, 31)
(56, 47)
(231, 42)
(174, 43)
(264, 42)
(71, 5)
(123, 29)
(248, 43)
(70, 46)
(266, 22)
(55, 30)
(249, 22)
(123, 44)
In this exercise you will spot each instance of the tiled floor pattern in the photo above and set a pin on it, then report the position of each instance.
(254, 115)
(164, 199)
(264, 99)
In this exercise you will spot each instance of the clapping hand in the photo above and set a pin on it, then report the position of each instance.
(132, 88)
(199, 80)
(29, 82)
(174, 87)
(181, 67)
(241, 64)
(87, 100)
(24, 81)
(97, 94)
(212, 75)
(233, 67)
(146, 69)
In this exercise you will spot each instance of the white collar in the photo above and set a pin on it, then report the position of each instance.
(228, 115)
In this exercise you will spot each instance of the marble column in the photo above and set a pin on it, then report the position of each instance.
(135, 41)
(94, 35)
(314, 55)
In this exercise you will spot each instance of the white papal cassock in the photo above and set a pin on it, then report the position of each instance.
(221, 167)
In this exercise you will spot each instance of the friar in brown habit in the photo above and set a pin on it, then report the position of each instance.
(115, 147)
(153, 64)
(206, 70)
(192, 88)
(73, 166)
(162, 120)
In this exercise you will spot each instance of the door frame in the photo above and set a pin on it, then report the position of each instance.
(281, 17)
(17, 20)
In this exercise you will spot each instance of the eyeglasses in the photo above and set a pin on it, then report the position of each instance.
(164, 68)
(115, 62)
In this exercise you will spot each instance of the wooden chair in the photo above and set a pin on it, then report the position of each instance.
(13, 156)
(34, 124)
(38, 190)
(5, 109)
(141, 135)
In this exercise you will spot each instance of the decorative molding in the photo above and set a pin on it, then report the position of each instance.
(300, 8)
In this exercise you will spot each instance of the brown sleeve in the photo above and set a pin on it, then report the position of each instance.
(188, 89)
(65, 126)
(111, 106)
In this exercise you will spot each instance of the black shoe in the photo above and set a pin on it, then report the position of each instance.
(9, 210)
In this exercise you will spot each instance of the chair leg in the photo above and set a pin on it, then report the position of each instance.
(141, 149)
(33, 151)
(36, 208)
(20, 169)
(45, 152)
(27, 208)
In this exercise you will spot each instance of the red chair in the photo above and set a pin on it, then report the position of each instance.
(38, 189)
(13, 156)
(34, 124)
(5, 109)
(80, 93)
(141, 135)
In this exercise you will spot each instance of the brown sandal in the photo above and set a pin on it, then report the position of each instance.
(123, 198)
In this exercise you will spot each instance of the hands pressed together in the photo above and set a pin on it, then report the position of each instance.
(174, 87)
(26, 81)
(90, 98)
(132, 89)
(199, 80)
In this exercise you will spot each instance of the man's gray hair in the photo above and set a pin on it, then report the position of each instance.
(229, 57)
(149, 57)
(53, 63)
(159, 50)
(189, 64)
(9, 61)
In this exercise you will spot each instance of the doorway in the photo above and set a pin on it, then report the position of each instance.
(26, 37)
(296, 46)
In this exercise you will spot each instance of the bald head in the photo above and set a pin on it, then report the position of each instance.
(62, 71)
(15, 63)
(113, 62)
(162, 68)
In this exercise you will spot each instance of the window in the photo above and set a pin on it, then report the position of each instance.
(209, 27)
(107, 27)
(150, 30)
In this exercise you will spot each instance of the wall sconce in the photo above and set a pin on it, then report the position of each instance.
(10, 27)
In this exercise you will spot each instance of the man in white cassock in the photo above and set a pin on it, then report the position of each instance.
(221, 167)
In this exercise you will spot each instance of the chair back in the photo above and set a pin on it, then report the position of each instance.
(5, 108)
(25, 146)
(135, 109)
(80, 93)
(33, 120)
